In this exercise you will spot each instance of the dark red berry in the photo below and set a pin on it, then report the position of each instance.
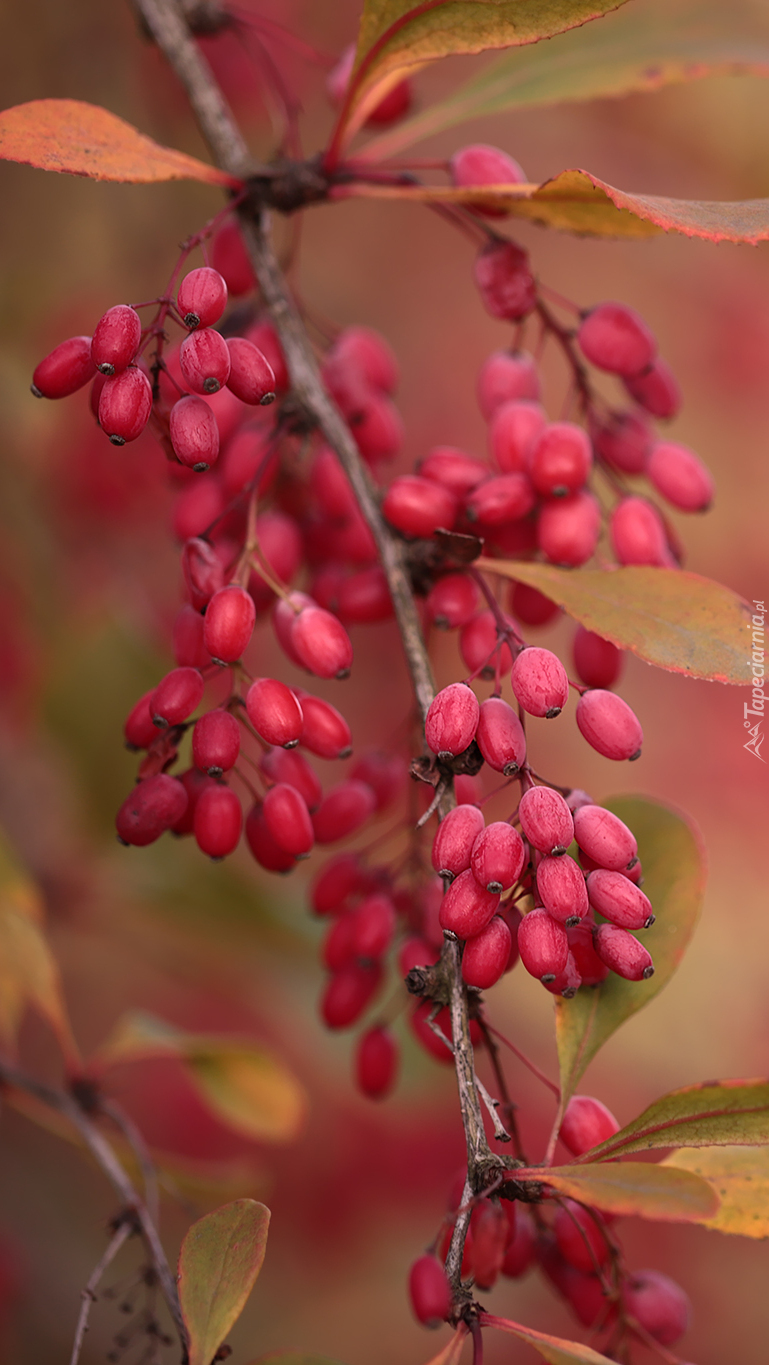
(205, 361)
(194, 433)
(505, 281)
(623, 439)
(616, 338)
(560, 460)
(175, 698)
(376, 1063)
(266, 340)
(515, 429)
(623, 953)
(342, 811)
(546, 820)
(467, 907)
(500, 737)
(251, 376)
(202, 297)
(616, 898)
(680, 476)
(454, 839)
(500, 499)
(116, 339)
(656, 389)
(543, 944)
(579, 1237)
(125, 404)
(202, 569)
(386, 774)
(638, 534)
(288, 819)
(489, 1229)
(230, 258)
(598, 662)
(506, 376)
(531, 606)
(452, 601)
(372, 926)
(567, 982)
(267, 853)
(561, 884)
(216, 742)
(140, 729)
(658, 1304)
(521, 1249)
(65, 370)
(153, 806)
(364, 598)
(274, 712)
(539, 682)
(330, 485)
(452, 469)
(418, 506)
(348, 993)
(452, 720)
(486, 956)
(568, 529)
(218, 821)
(195, 783)
(498, 855)
(604, 837)
(429, 1291)
(609, 725)
(339, 880)
(586, 1123)
(198, 506)
(229, 623)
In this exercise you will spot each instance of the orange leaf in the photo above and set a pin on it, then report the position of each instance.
(83, 139)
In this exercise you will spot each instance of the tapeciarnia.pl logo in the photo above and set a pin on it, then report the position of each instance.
(758, 699)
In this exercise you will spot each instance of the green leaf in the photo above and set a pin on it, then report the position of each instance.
(552, 1349)
(220, 1259)
(674, 874)
(678, 621)
(740, 1176)
(632, 1187)
(718, 1112)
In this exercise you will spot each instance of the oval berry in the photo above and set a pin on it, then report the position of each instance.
(274, 712)
(568, 529)
(539, 682)
(467, 907)
(342, 811)
(546, 820)
(481, 647)
(325, 731)
(500, 737)
(266, 852)
(567, 982)
(202, 569)
(125, 404)
(656, 389)
(680, 476)
(418, 506)
(64, 370)
(454, 839)
(215, 742)
(604, 837)
(218, 821)
(497, 858)
(504, 280)
(615, 338)
(229, 623)
(194, 433)
(452, 601)
(482, 164)
(624, 440)
(287, 765)
(376, 1063)
(321, 643)
(543, 945)
(561, 884)
(616, 898)
(586, 1122)
(288, 819)
(340, 879)
(637, 534)
(202, 297)
(486, 956)
(176, 696)
(140, 730)
(598, 662)
(429, 1291)
(659, 1305)
(514, 431)
(153, 806)
(560, 460)
(623, 954)
(506, 376)
(230, 258)
(500, 499)
(531, 606)
(116, 339)
(452, 720)
(521, 1250)
(205, 361)
(452, 469)
(372, 926)
(348, 993)
(251, 377)
(609, 725)
(582, 948)
(579, 1237)
(195, 783)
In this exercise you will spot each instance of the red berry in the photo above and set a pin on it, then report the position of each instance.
(567, 982)
(452, 469)
(202, 297)
(286, 765)
(521, 1250)
(546, 820)
(418, 507)
(365, 353)
(623, 439)
(623, 954)
(364, 597)
(498, 856)
(216, 742)
(454, 839)
(266, 340)
(386, 774)
(202, 569)
(579, 1237)
(125, 404)
(65, 370)
(638, 534)
(586, 1123)
(116, 339)
(280, 545)
(339, 879)
(176, 696)
(505, 376)
(195, 783)
(604, 837)
(680, 476)
(140, 729)
(378, 429)
(321, 643)
(429, 1291)
(205, 360)
(515, 429)
(561, 884)
(325, 731)
(288, 819)
(198, 506)
(348, 993)
(229, 623)
(415, 952)
(251, 376)
(376, 1063)
(372, 926)
(616, 338)
(342, 811)
(153, 806)
(539, 682)
(543, 945)
(656, 389)
(489, 1229)
(560, 460)
(230, 258)
(531, 606)
(218, 821)
(194, 433)
(500, 737)
(568, 529)
(659, 1305)
(330, 485)
(481, 164)
(452, 601)
(486, 956)
(505, 281)
(467, 907)
(609, 725)
(481, 648)
(274, 712)
(267, 853)
(598, 662)
(284, 613)
(500, 499)
(587, 962)
(452, 720)
(615, 897)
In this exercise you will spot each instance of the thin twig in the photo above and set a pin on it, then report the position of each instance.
(125, 1228)
(138, 1146)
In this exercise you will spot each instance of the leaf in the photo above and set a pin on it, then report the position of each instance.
(722, 1112)
(740, 1176)
(220, 1259)
(553, 1349)
(247, 1087)
(451, 1352)
(671, 852)
(84, 139)
(632, 1187)
(637, 51)
(678, 621)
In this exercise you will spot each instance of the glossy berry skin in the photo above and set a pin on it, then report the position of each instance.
(251, 376)
(288, 819)
(546, 820)
(229, 623)
(230, 258)
(429, 1291)
(325, 731)
(623, 953)
(202, 297)
(530, 606)
(680, 476)
(481, 649)
(616, 898)
(659, 1305)
(467, 907)
(452, 720)
(116, 339)
(64, 370)
(598, 662)
(284, 613)
(624, 440)
(498, 856)
(125, 404)
(205, 361)
(454, 839)
(586, 1123)
(153, 806)
(615, 338)
(140, 730)
(568, 529)
(637, 534)
(582, 948)
(452, 601)
(176, 696)
(560, 460)
(521, 1248)
(203, 572)
(343, 810)
(348, 993)
(609, 725)
(288, 765)
(266, 852)
(561, 885)
(539, 682)
(500, 499)
(376, 1063)
(579, 1237)
(215, 742)
(504, 281)
(543, 945)
(418, 507)
(656, 390)
(194, 433)
(218, 821)
(500, 737)
(486, 956)
(453, 469)
(274, 712)
(514, 432)
(604, 837)
(187, 639)
(321, 643)
(506, 376)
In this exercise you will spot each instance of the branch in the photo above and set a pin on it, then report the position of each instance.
(125, 1228)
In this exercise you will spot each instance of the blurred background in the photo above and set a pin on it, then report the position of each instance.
(89, 587)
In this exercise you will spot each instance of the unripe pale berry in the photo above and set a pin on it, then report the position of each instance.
(486, 956)
(582, 948)
(560, 460)
(530, 606)
(615, 338)
(616, 898)
(604, 837)
(176, 696)
(229, 623)
(497, 858)
(680, 476)
(251, 377)
(543, 945)
(546, 820)
(609, 725)
(215, 742)
(514, 431)
(624, 440)
(505, 376)
(452, 601)
(266, 852)
(418, 506)
(153, 806)
(288, 819)
(205, 360)
(325, 731)
(125, 404)
(586, 1122)
(656, 389)
(65, 369)
(539, 682)
(376, 1063)
(500, 737)
(452, 720)
(194, 433)
(568, 529)
(504, 280)
(274, 712)
(343, 810)
(202, 297)
(500, 499)
(598, 662)
(321, 643)
(454, 839)
(218, 821)
(659, 1305)
(637, 534)
(623, 953)
(579, 1237)
(140, 729)
(561, 885)
(481, 648)
(116, 339)
(230, 258)
(348, 993)
(429, 1291)
(452, 469)
(467, 907)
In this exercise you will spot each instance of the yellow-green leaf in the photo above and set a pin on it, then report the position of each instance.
(674, 875)
(632, 1187)
(740, 1177)
(220, 1259)
(554, 1350)
(728, 1112)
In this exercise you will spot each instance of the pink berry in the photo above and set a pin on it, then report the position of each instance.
(205, 360)
(500, 737)
(504, 280)
(202, 297)
(116, 339)
(659, 1305)
(376, 1063)
(419, 507)
(467, 907)
(288, 819)
(452, 601)
(616, 338)
(515, 429)
(623, 954)
(140, 730)
(568, 529)
(216, 742)
(561, 884)
(656, 389)
(582, 948)
(325, 731)
(343, 810)
(481, 164)
(176, 696)
(567, 982)
(616, 898)
(198, 506)
(429, 1291)
(506, 376)
(609, 725)
(230, 258)
(363, 353)
(251, 376)
(452, 469)
(546, 820)
(680, 476)
(543, 945)
(521, 1249)
(481, 648)
(284, 614)
(579, 1237)
(194, 433)
(498, 856)
(125, 405)
(64, 370)
(229, 623)
(560, 460)
(372, 927)
(340, 879)
(266, 852)
(452, 720)
(218, 821)
(203, 572)
(638, 534)
(321, 643)
(539, 682)
(598, 662)
(531, 606)
(454, 839)
(500, 499)
(586, 1123)
(348, 994)
(266, 340)
(486, 956)
(604, 837)
(378, 429)
(153, 806)
(274, 712)
(287, 765)
(624, 440)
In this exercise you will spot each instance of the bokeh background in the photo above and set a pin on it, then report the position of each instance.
(89, 586)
